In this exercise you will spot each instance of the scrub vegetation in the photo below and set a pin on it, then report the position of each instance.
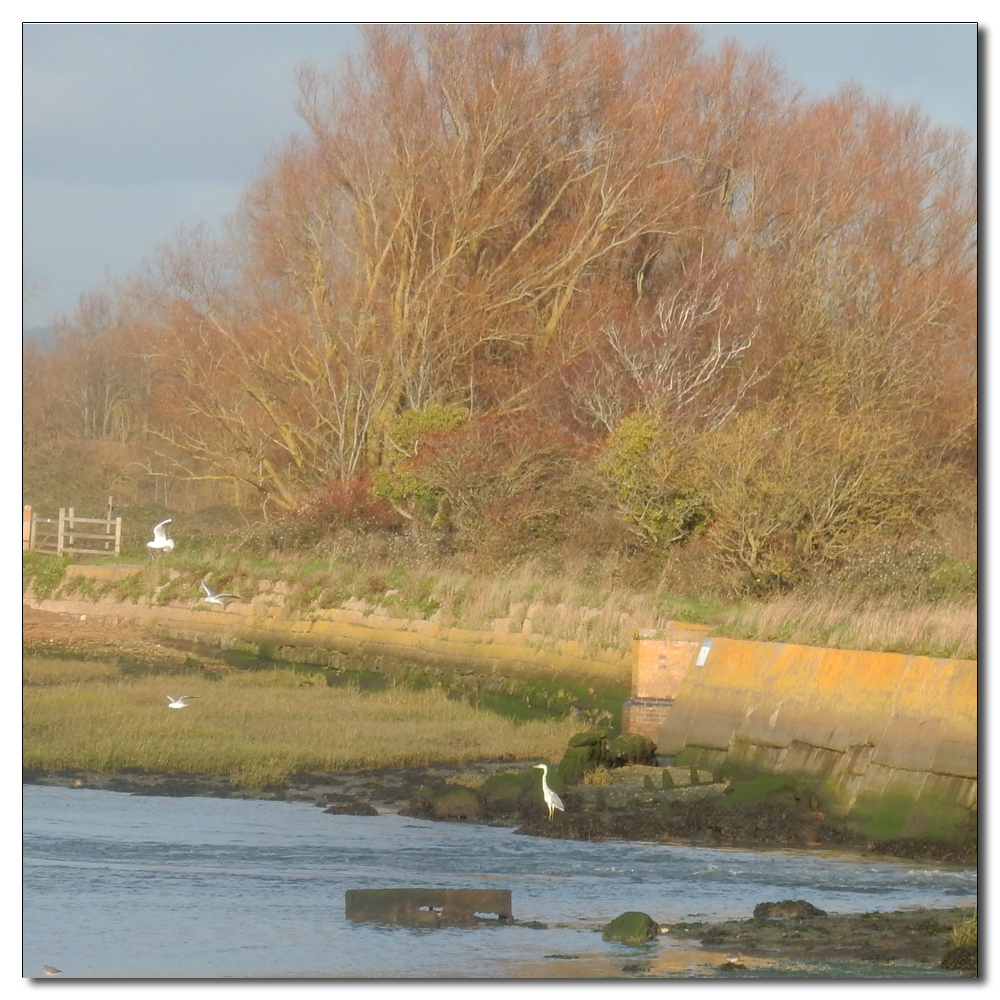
(551, 315)
(557, 597)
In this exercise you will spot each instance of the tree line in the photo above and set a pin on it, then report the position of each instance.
(517, 279)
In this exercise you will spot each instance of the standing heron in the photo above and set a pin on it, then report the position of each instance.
(213, 598)
(160, 540)
(552, 801)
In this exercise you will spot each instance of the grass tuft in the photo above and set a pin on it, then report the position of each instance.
(965, 934)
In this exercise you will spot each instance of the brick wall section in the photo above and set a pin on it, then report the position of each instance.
(645, 716)
(661, 658)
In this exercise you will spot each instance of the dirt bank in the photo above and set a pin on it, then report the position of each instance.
(44, 633)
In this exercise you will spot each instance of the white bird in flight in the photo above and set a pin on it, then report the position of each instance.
(160, 540)
(551, 799)
(181, 702)
(213, 598)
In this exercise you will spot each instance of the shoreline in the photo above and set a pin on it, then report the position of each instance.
(376, 791)
(779, 940)
(367, 791)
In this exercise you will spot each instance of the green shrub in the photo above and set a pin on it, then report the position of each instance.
(43, 573)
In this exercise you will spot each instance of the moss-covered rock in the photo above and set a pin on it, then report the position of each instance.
(631, 748)
(575, 763)
(457, 803)
(593, 737)
(633, 927)
(584, 752)
(787, 908)
(503, 790)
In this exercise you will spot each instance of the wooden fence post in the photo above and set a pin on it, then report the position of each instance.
(118, 536)
(31, 541)
(59, 531)
(26, 528)
(72, 525)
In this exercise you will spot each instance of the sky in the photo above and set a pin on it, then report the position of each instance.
(133, 130)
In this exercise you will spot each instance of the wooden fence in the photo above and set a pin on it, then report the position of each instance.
(61, 536)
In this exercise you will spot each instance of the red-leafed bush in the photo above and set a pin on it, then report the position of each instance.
(504, 485)
(347, 502)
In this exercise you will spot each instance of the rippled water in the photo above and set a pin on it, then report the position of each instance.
(126, 886)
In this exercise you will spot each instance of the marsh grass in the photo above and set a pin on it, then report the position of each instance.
(45, 671)
(965, 934)
(260, 727)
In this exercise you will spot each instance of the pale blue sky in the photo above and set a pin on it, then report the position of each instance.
(132, 130)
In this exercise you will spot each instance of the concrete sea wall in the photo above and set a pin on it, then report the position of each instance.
(325, 637)
(890, 740)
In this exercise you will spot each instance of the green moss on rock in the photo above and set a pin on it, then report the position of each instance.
(457, 803)
(633, 927)
(593, 737)
(630, 748)
(576, 762)
(505, 789)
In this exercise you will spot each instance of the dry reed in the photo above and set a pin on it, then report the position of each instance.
(939, 629)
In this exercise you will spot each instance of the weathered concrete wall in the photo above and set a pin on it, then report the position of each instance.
(871, 728)
(323, 637)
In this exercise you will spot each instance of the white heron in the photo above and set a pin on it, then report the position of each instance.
(181, 702)
(51, 970)
(213, 598)
(551, 799)
(160, 540)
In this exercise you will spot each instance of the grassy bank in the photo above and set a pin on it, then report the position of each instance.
(589, 601)
(257, 727)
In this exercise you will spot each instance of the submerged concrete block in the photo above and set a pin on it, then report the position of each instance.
(429, 907)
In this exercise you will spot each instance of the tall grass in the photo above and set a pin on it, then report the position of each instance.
(563, 599)
(945, 629)
(260, 727)
(965, 933)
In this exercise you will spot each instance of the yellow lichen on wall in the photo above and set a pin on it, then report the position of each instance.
(872, 727)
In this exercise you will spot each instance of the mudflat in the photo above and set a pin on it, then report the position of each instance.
(918, 935)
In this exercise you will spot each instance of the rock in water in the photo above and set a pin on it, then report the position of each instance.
(787, 908)
(632, 927)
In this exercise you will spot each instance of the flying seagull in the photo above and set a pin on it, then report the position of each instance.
(160, 540)
(551, 799)
(181, 702)
(212, 598)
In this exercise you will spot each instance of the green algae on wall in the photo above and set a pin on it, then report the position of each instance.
(885, 741)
